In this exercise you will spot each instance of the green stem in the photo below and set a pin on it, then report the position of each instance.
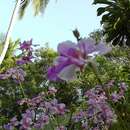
(57, 120)
(69, 122)
(22, 90)
(94, 69)
(51, 124)
(24, 95)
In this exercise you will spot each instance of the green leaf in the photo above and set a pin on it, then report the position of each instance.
(102, 2)
(38, 7)
(115, 41)
(116, 23)
(100, 11)
(23, 8)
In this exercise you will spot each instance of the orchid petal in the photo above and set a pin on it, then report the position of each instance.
(52, 73)
(102, 49)
(68, 49)
(59, 64)
(69, 72)
(60, 59)
(86, 46)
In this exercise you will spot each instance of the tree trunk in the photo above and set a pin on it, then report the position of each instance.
(8, 34)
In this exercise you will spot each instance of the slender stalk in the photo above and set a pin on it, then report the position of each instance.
(51, 124)
(69, 122)
(95, 70)
(8, 34)
(57, 120)
(22, 90)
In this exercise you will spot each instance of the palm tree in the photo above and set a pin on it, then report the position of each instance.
(115, 20)
(20, 6)
(8, 34)
(10, 57)
(38, 6)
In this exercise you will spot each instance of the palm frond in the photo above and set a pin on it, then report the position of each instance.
(38, 6)
(23, 8)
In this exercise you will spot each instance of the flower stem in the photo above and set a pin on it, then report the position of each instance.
(70, 125)
(22, 90)
(24, 95)
(95, 70)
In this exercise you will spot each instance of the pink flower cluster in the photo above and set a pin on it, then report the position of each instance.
(96, 114)
(99, 111)
(17, 74)
(40, 111)
(26, 48)
(99, 114)
(116, 96)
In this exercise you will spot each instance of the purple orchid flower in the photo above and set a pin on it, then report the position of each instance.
(26, 45)
(27, 55)
(72, 57)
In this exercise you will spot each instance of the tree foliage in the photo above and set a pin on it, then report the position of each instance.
(97, 35)
(38, 6)
(115, 20)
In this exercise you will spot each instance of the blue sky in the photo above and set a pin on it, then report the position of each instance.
(57, 23)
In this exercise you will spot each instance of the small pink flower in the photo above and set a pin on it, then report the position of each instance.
(61, 128)
(52, 90)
